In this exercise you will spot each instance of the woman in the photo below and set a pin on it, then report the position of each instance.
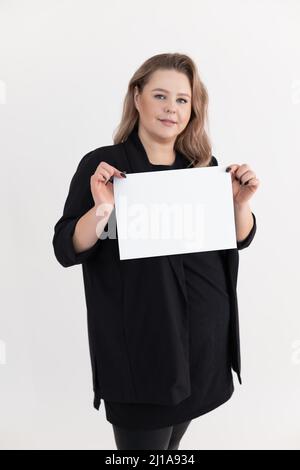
(163, 331)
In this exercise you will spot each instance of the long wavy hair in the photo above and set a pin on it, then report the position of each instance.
(193, 142)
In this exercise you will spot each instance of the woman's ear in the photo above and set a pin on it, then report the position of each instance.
(135, 97)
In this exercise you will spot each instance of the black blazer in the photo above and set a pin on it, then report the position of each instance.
(137, 308)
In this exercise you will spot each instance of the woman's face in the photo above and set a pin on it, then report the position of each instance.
(173, 103)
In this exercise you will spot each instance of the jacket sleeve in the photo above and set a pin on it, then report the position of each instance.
(246, 242)
(79, 201)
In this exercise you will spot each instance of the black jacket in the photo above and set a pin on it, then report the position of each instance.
(136, 308)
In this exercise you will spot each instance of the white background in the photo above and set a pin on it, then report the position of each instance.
(65, 67)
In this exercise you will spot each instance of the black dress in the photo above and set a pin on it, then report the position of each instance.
(210, 365)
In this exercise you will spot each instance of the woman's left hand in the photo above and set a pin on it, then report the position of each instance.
(241, 174)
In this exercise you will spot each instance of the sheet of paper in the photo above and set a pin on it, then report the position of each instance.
(174, 211)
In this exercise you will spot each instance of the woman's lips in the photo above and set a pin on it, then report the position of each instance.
(166, 122)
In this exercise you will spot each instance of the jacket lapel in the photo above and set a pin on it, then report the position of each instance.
(177, 265)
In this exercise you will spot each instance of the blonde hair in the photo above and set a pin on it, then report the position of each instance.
(193, 142)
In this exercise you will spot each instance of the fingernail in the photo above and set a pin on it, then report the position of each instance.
(109, 179)
(123, 174)
(228, 169)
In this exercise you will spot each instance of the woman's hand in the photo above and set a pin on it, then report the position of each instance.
(101, 187)
(244, 182)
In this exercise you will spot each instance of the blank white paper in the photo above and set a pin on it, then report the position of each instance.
(174, 212)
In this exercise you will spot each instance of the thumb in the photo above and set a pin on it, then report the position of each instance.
(232, 170)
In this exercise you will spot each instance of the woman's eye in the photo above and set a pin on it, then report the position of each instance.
(178, 98)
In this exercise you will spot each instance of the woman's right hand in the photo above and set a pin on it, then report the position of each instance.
(101, 188)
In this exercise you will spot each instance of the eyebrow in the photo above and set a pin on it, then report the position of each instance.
(166, 91)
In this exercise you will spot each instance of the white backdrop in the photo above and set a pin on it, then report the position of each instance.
(65, 67)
